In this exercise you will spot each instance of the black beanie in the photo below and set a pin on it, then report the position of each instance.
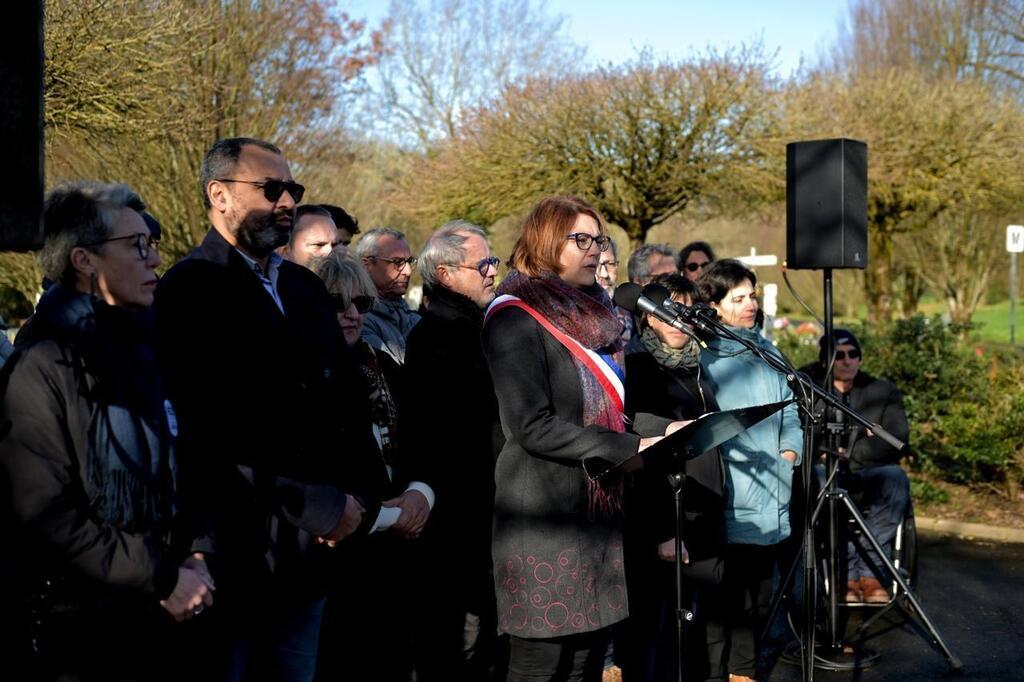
(843, 337)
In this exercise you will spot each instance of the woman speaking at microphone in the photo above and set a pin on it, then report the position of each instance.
(554, 350)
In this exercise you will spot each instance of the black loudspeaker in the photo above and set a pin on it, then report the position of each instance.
(826, 204)
(21, 126)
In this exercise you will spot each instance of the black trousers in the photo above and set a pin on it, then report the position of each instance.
(576, 658)
(747, 594)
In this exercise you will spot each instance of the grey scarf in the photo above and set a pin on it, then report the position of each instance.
(687, 357)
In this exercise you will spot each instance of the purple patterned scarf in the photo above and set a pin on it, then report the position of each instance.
(587, 316)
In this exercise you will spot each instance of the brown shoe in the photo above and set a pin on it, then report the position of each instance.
(740, 678)
(853, 591)
(873, 591)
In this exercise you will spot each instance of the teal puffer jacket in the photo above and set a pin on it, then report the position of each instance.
(758, 480)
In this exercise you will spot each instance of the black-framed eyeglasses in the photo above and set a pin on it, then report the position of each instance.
(584, 240)
(398, 263)
(608, 264)
(144, 242)
(273, 189)
(483, 266)
(694, 267)
(843, 354)
(362, 303)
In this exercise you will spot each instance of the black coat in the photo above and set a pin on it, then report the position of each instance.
(676, 394)
(266, 448)
(558, 569)
(877, 400)
(86, 493)
(450, 429)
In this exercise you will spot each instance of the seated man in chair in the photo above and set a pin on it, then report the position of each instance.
(870, 470)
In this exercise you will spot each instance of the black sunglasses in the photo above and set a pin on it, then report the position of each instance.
(843, 354)
(273, 189)
(694, 267)
(362, 303)
(584, 240)
(144, 242)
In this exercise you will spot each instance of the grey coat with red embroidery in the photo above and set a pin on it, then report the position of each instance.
(558, 568)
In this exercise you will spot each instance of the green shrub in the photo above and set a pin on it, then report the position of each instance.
(964, 401)
(925, 492)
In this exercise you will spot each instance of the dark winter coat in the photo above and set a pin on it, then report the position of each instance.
(558, 569)
(676, 394)
(451, 432)
(87, 479)
(273, 414)
(879, 401)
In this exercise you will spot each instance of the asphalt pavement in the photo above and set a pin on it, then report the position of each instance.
(973, 592)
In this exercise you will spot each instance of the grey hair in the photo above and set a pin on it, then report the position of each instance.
(367, 244)
(344, 276)
(80, 214)
(639, 268)
(445, 247)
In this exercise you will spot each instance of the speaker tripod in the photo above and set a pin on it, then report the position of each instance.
(835, 653)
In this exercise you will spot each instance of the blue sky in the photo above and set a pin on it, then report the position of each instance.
(614, 30)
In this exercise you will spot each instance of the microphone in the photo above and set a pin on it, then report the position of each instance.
(698, 315)
(634, 299)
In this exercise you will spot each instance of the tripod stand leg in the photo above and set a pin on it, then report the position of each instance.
(937, 640)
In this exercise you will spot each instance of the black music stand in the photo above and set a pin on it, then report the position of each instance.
(669, 456)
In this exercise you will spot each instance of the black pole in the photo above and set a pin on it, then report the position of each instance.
(832, 439)
(683, 615)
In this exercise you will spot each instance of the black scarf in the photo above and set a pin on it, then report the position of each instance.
(130, 459)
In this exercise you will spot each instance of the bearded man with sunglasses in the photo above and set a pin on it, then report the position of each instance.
(870, 468)
(273, 465)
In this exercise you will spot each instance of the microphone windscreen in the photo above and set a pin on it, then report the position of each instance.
(656, 293)
(626, 296)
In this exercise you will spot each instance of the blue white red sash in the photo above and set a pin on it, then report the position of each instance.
(602, 367)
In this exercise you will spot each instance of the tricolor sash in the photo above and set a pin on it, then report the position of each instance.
(604, 369)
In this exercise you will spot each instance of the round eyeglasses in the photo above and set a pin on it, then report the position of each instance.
(584, 240)
(144, 242)
(397, 263)
(483, 267)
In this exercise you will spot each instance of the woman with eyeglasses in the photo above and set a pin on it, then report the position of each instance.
(555, 353)
(758, 463)
(101, 562)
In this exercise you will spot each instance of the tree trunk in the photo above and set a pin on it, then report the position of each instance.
(913, 289)
(878, 280)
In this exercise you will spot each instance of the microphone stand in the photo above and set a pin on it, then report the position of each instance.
(683, 615)
(704, 318)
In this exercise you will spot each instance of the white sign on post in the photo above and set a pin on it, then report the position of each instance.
(1015, 238)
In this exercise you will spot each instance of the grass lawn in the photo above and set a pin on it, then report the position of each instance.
(992, 322)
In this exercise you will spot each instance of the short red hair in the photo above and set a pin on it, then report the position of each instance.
(543, 237)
